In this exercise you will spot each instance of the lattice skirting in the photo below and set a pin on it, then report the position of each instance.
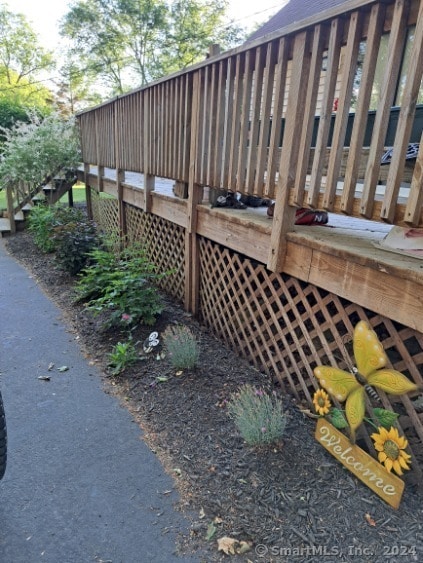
(281, 325)
(165, 245)
(285, 328)
(162, 240)
(105, 213)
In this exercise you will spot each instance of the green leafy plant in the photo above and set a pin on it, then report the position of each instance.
(258, 416)
(41, 222)
(74, 241)
(181, 346)
(122, 356)
(121, 284)
(38, 149)
(46, 222)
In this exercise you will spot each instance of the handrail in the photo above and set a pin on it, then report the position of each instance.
(258, 107)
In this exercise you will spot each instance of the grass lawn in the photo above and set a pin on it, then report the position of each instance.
(78, 195)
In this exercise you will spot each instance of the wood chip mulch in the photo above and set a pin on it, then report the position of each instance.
(291, 502)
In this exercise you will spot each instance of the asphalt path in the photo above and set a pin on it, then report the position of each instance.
(81, 485)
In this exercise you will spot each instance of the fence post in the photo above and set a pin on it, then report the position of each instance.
(195, 194)
(120, 178)
(149, 179)
(10, 208)
(88, 192)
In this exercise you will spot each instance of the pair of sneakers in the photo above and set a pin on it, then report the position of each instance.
(304, 216)
(229, 200)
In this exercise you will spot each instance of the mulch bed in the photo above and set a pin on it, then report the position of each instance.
(291, 502)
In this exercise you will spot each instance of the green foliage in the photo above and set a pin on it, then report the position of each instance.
(338, 419)
(143, 40)
(259, 418)
(121, 284)
(384, 417)
(193, 26)
(24, 93)
(122, 356)
(182, 347)
(20, 49)
(74, 240)
(41, 223)
(10, 113)
(38, 149)
(52, 226)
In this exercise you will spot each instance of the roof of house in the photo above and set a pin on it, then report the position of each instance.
(294, 11)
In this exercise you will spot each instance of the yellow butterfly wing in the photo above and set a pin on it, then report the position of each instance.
(391, 381)
(355, 409)
(336, 382)
(368, 351)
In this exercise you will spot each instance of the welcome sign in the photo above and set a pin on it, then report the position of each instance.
(388, 486)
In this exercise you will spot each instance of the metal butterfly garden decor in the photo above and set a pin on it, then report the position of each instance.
(371, 370)
(352, 388)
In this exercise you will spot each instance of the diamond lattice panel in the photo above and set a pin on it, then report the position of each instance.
(105, 213)
(165, 246)
(286, 327)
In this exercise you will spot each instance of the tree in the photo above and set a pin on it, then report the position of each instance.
(194, 26)
(74, 89)
(98, 39)
(21, 61)
(21, 56)
(128, 43)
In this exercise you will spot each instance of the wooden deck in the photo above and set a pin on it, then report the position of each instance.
(342, 257)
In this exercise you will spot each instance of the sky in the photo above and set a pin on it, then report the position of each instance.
(45, 14)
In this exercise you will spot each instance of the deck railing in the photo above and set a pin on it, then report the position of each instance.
(270, 118)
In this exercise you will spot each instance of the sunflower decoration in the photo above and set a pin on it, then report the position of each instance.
(371, 371)
(321, 402)
(390, 447)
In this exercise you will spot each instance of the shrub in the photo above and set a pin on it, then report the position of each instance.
(44, 221)
(38, 149)
(41, 222)
(74, 241)
(182, 347)
(123, 355)
(258, 417)
(122, 285)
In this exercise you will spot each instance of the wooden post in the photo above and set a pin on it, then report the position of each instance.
(10, 208)
(149, 179)
(70, 196)
(120, 178)
(284, 215)
(192, 266)
(214, 49)
(149, 184)
(88, 192)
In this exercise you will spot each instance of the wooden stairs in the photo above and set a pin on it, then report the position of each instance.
(49, 193)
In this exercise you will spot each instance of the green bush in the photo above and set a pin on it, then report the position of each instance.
(259, 418)
(38, 148)
(122, 356)
(41, 223)
(181, 346)
(122, 285)
(45, 221)
(74, 241)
